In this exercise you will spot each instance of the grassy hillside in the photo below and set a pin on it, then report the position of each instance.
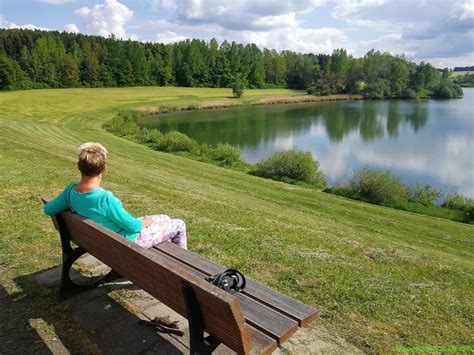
(381, 277)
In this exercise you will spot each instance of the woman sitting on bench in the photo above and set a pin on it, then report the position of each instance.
(88, 199)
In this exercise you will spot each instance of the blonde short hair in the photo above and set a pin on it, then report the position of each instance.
(91, 158)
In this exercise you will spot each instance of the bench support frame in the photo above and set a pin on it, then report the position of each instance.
(198, 344)
(70, 255)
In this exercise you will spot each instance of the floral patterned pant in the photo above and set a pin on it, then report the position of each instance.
(163, 229)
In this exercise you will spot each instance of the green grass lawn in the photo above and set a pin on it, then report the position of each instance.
(381, 277)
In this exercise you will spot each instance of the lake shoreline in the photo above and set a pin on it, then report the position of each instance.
(379, 126)
(224, 103)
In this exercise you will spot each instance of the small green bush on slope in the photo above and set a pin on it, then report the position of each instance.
(292, 164)
(226, 154)
(456, 201)
(175, 141)
(378, 186)
(425, 194)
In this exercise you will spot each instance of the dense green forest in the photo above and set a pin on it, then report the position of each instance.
(40, 59)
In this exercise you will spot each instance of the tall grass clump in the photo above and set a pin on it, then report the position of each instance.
(226, 154)
(378, 186)
(291, 166)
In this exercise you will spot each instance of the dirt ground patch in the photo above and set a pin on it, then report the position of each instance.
(151, 109)
(305, 98)
(219, 103)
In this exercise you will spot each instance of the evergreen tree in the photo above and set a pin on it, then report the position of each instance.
(11, 75)
(275, 68)
(256, 77)
(7, 72)
(70, 72)
(47, 60)
(89, 66)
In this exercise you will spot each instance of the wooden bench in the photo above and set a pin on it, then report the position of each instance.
(253, 321)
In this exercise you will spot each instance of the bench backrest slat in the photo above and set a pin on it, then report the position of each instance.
(161, 277)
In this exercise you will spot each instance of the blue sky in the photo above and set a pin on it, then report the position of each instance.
(435, 31)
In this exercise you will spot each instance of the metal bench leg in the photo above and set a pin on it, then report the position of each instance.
(70, 255)
(69, 258)
(198, 344)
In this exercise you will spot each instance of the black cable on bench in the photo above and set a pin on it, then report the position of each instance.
(230, 280)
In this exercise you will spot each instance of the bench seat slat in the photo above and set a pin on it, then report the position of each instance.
(260, 344)
(291, 308)
(267, 320)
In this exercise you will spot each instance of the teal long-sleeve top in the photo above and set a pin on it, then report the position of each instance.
(99, 205)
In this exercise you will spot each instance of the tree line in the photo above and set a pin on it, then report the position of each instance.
(44, 59)
(468, 68)
(466, 80)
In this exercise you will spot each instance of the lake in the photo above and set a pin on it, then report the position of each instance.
(429, 141)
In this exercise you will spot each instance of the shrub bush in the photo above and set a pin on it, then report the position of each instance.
(447, 90)
(377, 90)
(311, 90)
(238, 87)
(456, 201)
(378, 186)
(151, 136)
(205, 151)
(425, 194)
(124, 124)
(226, 154)
(175, 141)
(130, 129)
(293, 165)
(409, 94)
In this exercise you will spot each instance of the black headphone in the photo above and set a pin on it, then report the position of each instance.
(230, 280)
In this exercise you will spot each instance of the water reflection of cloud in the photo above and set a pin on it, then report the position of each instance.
(458, 144)
(284, 143)
(437, 163)
(317, 130)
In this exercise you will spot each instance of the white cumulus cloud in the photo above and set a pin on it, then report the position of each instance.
(239, 15)
(164, 4)
(270, 23)
(72, 28)
(304, 40)
(440, 29)
(10, 25)
(106, 19)
(466, 9)
(169, 37)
